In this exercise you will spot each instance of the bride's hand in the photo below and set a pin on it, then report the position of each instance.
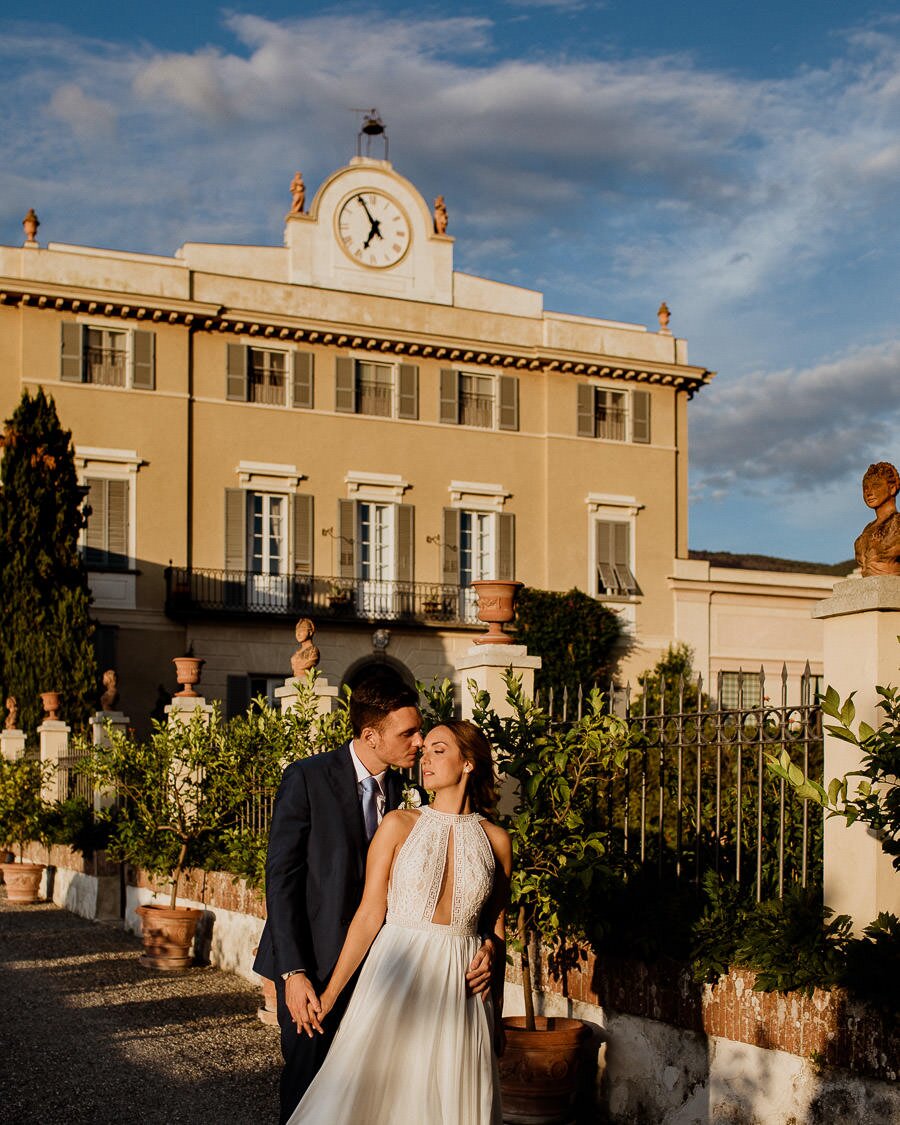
(326, 1003)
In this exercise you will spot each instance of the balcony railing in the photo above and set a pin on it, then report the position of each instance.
(611, 423)
(374, 397)
(105, 366)
(476, 409)
(191, 591)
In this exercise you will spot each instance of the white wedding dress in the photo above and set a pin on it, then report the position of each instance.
(412, 1046)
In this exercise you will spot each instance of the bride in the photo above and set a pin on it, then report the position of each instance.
(412, 1044)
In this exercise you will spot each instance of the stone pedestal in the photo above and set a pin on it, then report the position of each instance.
(100, 724)
(183, 708)
(12, 744)
(486, 665)
(54, 736)
(326, 695)
(861, 624)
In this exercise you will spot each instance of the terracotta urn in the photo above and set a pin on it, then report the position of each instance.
(496, 607)
(30, 225)
(167, 935)
(50, 702)
(187, 672)
(22, 881)
(539, 1069)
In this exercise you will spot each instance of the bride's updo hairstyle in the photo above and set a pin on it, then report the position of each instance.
(476, 750)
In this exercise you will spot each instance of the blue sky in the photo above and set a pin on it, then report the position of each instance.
(740, 161)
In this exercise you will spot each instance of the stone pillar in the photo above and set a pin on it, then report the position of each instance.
(12, 744)
(486, 665)
(183, 708)
(54, 736)
(103, 798)
(861, 623)
(326, 695)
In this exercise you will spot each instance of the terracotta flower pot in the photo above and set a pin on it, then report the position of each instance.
(22, 881)
(167, 935)
(187, 672)
(539, 1069)
(497, 607)
(50, 701)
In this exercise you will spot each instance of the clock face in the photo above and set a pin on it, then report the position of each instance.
(372, 229)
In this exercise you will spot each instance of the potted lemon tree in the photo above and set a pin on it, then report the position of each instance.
(23, 817)
(560, 861)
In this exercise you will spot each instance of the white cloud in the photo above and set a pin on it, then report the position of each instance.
(88, 117)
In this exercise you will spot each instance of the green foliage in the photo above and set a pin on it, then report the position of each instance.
(717, 931)
(641, 916)
(574, 635)
(670, 683)
(560, 862)
(24, 814)
(72, 823)
(45, 630)
(872, 971)
(438, 705)
(876, 800)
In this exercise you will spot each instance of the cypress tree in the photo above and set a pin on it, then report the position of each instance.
(45, 628)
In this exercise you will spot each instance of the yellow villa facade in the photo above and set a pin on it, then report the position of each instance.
(346, 428)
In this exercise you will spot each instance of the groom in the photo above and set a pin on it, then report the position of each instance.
(327, 809)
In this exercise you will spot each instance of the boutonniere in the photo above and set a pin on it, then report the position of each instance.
(411, 798)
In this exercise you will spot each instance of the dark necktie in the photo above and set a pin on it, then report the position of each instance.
(370, 792)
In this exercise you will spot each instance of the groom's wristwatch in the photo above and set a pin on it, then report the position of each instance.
(292, 973)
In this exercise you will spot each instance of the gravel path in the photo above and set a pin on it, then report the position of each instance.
(88, 1037)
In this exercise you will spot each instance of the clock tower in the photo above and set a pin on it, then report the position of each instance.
(370, 231)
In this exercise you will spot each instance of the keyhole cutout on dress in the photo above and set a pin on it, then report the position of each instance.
(443, 911)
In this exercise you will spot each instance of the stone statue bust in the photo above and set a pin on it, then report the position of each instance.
(307, 655)
(110, 696)
(441, 217)
(298, 194)
(12, 712)
(878, 547)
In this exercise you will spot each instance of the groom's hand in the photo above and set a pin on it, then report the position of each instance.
(302, 1003)
(478, 976)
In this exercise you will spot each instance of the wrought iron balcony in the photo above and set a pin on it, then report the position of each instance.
(242, 593)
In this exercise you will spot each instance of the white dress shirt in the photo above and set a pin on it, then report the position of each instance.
(361, 774)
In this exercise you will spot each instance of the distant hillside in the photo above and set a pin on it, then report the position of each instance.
(767, 562)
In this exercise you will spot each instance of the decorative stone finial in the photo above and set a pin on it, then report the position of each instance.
(298, 195)
(440, 216)
(110, 696)
(664, 316)
(30, 225)
(307, 655)
(877, 549)
(12, 712)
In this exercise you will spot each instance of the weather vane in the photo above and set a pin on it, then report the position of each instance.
(372, 126)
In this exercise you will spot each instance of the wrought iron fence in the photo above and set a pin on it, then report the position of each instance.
(698, 795)
(70, 782)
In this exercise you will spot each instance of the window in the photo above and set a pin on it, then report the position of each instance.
(472, 399)
(612, 414)
(740, 689)
(270, 376)
(268, 546)
(375, 545)
(477, 545)
(106, 534)
(383, 390)
(107, 357)
(613, 559)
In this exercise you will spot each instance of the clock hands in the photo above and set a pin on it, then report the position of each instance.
(375, 228)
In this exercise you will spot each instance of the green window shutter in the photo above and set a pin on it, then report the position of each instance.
(235, 529)
(450, 547)
(347, 540)
(71, 367)
(405, 542)
(143, 374)
(236, 384)
(640, 418)
(117, 523)
(449, 396)
(506, 545)
(95, 532)
(408, 399)
(586, 413)
(303, 534)
(345, 384)
(509, 402)
(303, 364)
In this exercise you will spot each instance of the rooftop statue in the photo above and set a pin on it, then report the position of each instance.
(307, 655)
(441, 217)
(878, 547)
(12, 712)
(298, 194)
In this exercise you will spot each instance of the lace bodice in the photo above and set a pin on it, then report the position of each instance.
(418, 872)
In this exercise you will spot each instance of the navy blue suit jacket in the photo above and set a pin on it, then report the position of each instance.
(316, 863)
